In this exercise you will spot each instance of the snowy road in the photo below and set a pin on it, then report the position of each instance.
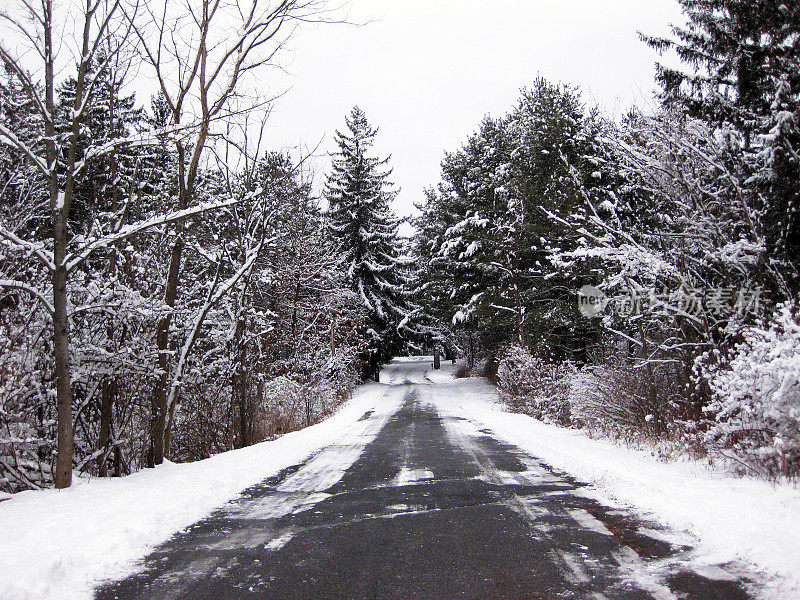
(417, 501)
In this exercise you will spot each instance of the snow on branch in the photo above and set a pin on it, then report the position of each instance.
(74, 260)
(18, 285)
(151, 137)
(44, 256)
(10, 138)
(212, 298)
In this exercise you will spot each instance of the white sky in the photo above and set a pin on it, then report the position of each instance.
(426, 71)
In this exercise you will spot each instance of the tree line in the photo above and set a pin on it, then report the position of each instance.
(678, 229)
(169, 288)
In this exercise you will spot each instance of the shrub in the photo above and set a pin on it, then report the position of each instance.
(462, 370)
(628, 402)
(488, 368)
(291, 404)
(622, 401)
(755, 413)
(530, 385)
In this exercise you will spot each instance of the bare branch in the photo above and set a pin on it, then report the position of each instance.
(38, 249)
(74, 260)
(18, 285)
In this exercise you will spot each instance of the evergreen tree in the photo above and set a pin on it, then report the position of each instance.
(110, 115)
(744, 60)
(20, 182)
(487, 234)
(365, 230)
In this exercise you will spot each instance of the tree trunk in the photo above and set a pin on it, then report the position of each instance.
(158, 407)
(159, 434)
(60, 203)
(241, 396)
(651, 376)
(117, 461)
(244, 436)
(106, 405)
(158, 422)
(471, 349)
(295, 300)
(65, 443)
(437, 363)
(63, 367)
(375, 366)
(61, 359)
(333, 337)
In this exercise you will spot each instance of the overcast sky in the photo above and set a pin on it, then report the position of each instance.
(426, 71)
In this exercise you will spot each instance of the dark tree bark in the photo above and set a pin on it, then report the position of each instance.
(106, 407)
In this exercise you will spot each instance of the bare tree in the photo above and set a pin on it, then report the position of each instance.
(200, 53)
(37, 25)
(104, 28)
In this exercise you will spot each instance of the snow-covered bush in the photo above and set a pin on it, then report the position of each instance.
(110, 325)
(627, 402)
(756, 406)
(462, 370)
(483, 366)
(614, 400)
(530, 385)
(290, 404)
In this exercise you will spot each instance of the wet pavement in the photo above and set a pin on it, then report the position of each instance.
(423, 505)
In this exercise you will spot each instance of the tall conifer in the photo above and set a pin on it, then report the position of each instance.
(363, 225)
(744, 78)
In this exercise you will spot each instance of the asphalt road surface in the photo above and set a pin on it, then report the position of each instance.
(419, 504)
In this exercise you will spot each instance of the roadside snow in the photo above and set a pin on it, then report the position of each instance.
(59, 544)
(733, 519)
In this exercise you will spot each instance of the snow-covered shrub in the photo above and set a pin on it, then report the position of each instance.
(587, 396)
(756, 406)
(109, 326)
(487, 367)
(290, 404)
(462, 370)
(343, 371)
(530, 385)
(27, 414)
(626, 401)
(618, 400)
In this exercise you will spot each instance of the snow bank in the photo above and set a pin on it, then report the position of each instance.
(733, 519)
(57, 544)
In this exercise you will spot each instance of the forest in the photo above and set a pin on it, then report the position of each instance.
(171, 289)
(638, 277)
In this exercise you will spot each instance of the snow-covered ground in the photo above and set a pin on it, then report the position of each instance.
(57, 545)
(728, 519)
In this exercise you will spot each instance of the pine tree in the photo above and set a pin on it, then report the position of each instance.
(365, 229)
(744, 62)
(486, 235)
(18, 176)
